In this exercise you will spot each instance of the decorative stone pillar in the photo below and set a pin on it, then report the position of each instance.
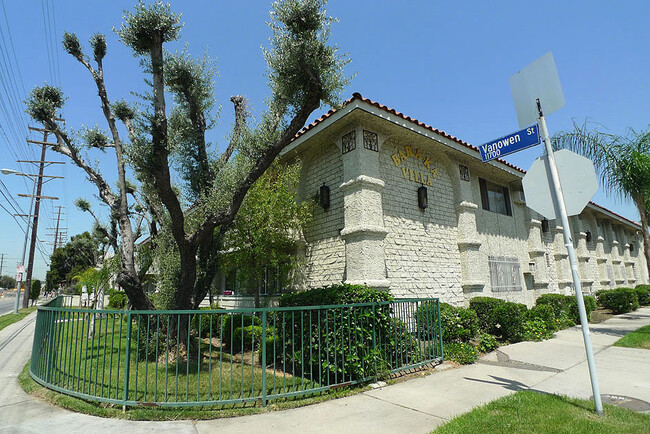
(536, 253)
(582, 252)
(564, 279)
(364, 230)
(473, 268)
(601, 260)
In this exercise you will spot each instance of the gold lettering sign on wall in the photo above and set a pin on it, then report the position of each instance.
(425, 178)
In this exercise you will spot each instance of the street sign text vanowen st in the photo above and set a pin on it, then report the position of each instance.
(511, 143)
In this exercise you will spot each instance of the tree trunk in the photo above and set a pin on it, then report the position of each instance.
(643, 215)
(134, 291)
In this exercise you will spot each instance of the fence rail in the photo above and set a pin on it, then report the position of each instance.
(214, 357)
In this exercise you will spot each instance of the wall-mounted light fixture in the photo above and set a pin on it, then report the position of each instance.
(423, 200)
(588, 236)
(324, 197)
(544, 225)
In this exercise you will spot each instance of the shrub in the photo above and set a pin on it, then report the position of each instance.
(346, 344)
(484, 308)
(510, 319)
(247, 338)
(535, 330)
(232, 322)
(462, 353)
(643, 294)
(543, 312)
(565, 307)
(487, 343)
(458, 324)
(499, 317)
(590, 306)
(203, 320)
(564, 322)
(273, 351)
(117, 299)
(561, 304)
(334, 294)
(619, 300)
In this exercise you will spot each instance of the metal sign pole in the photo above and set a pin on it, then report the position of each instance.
(568, 242)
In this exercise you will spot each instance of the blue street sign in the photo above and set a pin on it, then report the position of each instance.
(511, 143)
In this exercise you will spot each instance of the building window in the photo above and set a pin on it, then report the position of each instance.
(349, 142)
(495, 197)
(505, 274)
(370, 141)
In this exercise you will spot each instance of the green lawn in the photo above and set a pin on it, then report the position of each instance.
(10, 318)
(96, 365)
(533, 412)
(637, 339)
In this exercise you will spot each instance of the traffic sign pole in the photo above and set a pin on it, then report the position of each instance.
(556, 189)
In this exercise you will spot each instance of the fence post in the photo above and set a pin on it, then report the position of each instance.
(442, 354)
(127, 362)
(50, 345)
(264, 320)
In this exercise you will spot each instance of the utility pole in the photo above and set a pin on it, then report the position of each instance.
(37, 206)
(2, 261)
(59, 233)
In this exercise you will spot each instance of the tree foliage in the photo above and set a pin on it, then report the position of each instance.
(7, 282)
(304, 70)
(267, 230)
(35, 290)
(623, 163)
(80, 253)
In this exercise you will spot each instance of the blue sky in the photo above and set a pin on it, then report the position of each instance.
(445, 63)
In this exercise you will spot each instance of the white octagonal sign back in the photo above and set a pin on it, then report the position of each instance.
(577, 178)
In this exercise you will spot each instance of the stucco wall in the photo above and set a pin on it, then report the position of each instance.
(421, 255)
(444, 250)
(325, 251)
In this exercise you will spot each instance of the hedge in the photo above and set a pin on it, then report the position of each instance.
(619, 300)
(643, 294)
(458, 324)
(378, 340)
(566, 306)
(498, 317)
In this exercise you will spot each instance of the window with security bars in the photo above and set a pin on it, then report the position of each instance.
(349, 142)
(505, 273)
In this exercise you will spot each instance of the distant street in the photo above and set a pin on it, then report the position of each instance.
(7, 305)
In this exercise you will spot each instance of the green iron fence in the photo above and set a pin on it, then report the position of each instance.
(213, 357)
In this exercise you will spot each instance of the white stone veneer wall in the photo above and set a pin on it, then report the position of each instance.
(421, 248)
(421, 255)
(325, 253)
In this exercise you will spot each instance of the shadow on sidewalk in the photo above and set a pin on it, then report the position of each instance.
(500, 381)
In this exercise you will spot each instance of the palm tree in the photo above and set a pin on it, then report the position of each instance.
(623, 163)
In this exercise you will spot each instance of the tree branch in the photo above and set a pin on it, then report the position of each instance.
(240, 120)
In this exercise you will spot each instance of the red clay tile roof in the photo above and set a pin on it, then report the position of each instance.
(357, 96)
(616, 214)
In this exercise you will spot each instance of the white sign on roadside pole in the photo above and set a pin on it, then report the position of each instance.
(574, 171)
(539, 82)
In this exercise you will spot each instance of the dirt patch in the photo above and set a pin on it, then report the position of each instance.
(600, 315)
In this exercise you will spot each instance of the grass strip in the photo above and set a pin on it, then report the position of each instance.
(10, 318)
(637, 339)
(534, 412)
(173, 413)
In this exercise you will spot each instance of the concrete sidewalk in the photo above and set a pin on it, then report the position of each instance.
(416, 406)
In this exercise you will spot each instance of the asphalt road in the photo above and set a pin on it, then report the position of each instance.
(7, 305)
